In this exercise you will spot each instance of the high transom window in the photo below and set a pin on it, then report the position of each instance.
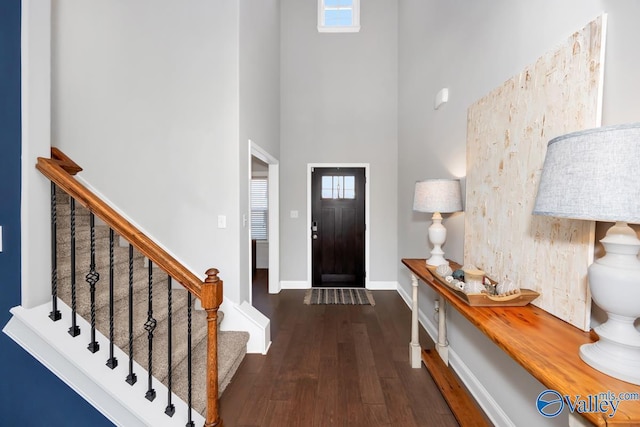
(339, 16)
(338, 187)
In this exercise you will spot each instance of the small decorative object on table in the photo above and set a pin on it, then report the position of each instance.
(472, 286)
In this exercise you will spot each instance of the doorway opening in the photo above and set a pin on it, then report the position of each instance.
(264, 246)
(338, 213)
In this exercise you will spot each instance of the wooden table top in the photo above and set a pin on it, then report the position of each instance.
(544, 345)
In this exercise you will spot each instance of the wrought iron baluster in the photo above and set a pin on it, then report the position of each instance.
(92, 278)
(55, 313)
(74, 330)
(189, 384)
(150, 326)
(112, 362)
(131, 378)
(170, 409)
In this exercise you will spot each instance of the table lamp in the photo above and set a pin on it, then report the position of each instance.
(595, 175)
(437, 196)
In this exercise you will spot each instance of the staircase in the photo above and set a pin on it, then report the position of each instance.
(155, 354)
(231, 344)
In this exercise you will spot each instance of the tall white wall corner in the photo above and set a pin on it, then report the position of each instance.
(442, 97)
(245, 317)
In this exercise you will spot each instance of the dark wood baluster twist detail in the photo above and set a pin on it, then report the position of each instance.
(92, 278)
(74, 330)
(113, 361)
(170, 409)
(132, 377)
(55, 313)
(150, 327)
(189, 377)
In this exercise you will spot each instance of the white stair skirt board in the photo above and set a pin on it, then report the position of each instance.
(86, 373)
(482, 396)
(245, 317)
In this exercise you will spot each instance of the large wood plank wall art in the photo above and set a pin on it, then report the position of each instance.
(507, 135)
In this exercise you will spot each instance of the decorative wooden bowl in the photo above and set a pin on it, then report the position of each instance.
(519, 298)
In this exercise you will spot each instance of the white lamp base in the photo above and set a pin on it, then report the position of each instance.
(614, 281)
(613, 359)
(437, 236)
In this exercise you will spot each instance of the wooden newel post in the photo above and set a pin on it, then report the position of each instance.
(211, 299)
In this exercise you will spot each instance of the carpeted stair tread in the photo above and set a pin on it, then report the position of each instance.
(179, 328)
(83, 262)
(121, 293)
(179, 341)
(231, 345)
(140, 308)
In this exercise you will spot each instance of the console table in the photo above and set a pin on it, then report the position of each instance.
(542, 344)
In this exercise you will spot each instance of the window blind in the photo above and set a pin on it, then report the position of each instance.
(259, 209)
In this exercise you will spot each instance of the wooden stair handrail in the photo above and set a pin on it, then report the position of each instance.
(52, 169)
(60, 170)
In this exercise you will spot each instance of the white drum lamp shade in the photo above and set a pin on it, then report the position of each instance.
(437, 196)
(595, 175)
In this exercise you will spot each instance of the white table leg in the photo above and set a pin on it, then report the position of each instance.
(414, 346)
(442, 345)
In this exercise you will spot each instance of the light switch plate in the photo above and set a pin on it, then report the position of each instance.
(222, 221)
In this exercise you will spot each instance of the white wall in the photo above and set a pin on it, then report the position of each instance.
(157, 101)
(338, 104)
(259, 103)
(472, 48)
(145, 98)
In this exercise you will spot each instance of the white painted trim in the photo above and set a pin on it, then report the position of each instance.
(482, 396)
(274, 213)
(372, 285)
(344, 29)
(87, 374)
(274, 228)
(245, 317)
(295, 284)
(367, 221)
(379, 285)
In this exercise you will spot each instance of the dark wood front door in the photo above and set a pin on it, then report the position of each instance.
(337, 227)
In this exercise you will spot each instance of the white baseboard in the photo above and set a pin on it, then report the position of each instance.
(379, 285)
(294, 284)
(87, 373)
(488, 404)
(374, 285)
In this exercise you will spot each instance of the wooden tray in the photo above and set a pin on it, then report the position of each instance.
(520, 299)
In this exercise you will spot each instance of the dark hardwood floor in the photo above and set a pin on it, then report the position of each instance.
(333, 366)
